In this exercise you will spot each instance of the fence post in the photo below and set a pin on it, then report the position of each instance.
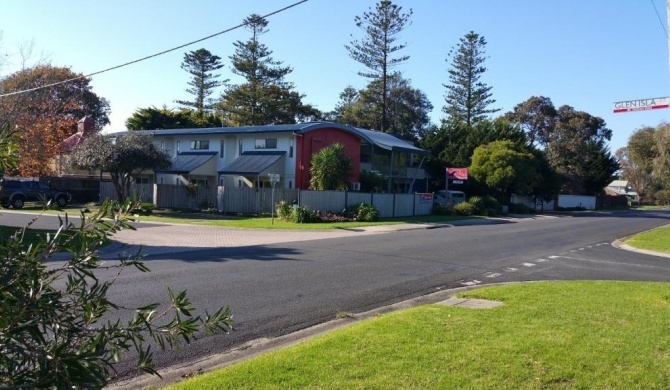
(414, 205)
(394, 194)
(346, 199)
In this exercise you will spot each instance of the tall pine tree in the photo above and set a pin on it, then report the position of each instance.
(381, 27)
(201, 64)
(468, 99)
(265, 97)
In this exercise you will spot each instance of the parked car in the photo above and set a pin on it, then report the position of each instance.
(448, 197)
(15, 192)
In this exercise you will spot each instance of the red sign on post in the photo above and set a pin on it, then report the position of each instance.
(457, 173)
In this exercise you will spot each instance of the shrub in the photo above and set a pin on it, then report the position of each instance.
(464, 208)
(302, 214)
(144, 208)
(367, 213)
(478, 205)
(284, 210)
(492, 203)
(520, 208)
(439, 209)
(362, 212)
(55, 330)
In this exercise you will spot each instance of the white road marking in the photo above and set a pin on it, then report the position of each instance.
(510, 269)
(541, 260)
(471, 283)
(528, 265)
(493, 275)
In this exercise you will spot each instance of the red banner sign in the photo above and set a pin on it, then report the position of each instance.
(457, 173)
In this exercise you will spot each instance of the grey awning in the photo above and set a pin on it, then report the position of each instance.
(252, 163)
(187, 162)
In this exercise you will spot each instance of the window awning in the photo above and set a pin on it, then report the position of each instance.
(192, 163)
(254, 163)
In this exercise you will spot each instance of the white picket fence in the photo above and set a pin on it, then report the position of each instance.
(259, 200)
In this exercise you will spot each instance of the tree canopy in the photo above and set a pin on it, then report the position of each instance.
(153, 118)
(505, 168)
(537, 117)
(407, 108)
(265, 97)
(375, 51)
(468, 99)
(123, 157)
(201, 64)
(45, 117)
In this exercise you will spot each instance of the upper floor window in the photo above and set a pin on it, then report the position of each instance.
(199, 145)
(266, 143)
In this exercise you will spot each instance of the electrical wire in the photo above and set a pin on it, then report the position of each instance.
(151, 56)
(659, 18)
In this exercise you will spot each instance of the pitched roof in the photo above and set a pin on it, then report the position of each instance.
(186, 162)
(377, 138)
(618, 183)
(252, 163)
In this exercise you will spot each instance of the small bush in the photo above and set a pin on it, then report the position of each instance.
(478, 204)
(492, 203)
(145, 209)
(491, 212)
(520, 208)
(302, 214)
(367, 213)
(578, 208)
(284, 210)
(464, 208)
(439, 209)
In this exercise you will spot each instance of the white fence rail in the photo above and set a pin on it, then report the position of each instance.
(258, 200)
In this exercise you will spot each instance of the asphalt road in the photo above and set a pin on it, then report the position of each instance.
(277, 289)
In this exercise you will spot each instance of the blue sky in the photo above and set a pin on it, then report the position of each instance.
(586, 54)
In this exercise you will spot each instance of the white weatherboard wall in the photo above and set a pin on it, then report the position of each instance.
(569, 201)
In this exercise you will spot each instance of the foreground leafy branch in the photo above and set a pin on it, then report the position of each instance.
(53, 327)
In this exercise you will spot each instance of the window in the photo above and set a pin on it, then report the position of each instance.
(290, 184)
(142, 180)
(267, 143)
(162, 145)
(178, 148)
(290, 149)
(221, 148)
(199, 145)
(240, 148)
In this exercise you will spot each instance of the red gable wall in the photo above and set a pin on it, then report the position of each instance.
(315, 140)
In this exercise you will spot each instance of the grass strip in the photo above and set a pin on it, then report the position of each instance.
(595, 335)
(654, 240)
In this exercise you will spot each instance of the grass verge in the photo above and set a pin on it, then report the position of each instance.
(596, 335)
(654, 240)
(34, 236)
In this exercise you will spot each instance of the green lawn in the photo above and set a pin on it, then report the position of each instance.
(587, 335)
(32, 236)
(655, 240)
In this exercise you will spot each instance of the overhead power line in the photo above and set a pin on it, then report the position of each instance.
(151, 56)
(659, 18)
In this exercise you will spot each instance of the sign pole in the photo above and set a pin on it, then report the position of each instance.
(274, 179)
